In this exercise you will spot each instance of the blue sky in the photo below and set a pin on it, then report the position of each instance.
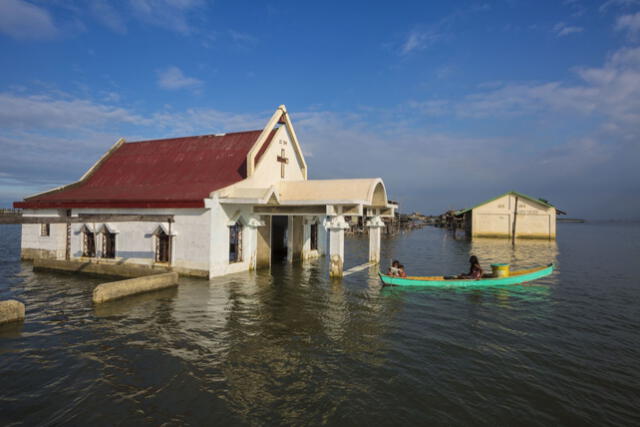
(450, 103)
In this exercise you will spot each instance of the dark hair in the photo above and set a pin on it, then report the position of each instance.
(401, 266)
(395, 261)
(473, 260)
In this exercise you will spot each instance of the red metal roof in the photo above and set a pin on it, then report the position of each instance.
(176, 172)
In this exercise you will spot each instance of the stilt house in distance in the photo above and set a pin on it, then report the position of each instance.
(203, 206)
(511, 213)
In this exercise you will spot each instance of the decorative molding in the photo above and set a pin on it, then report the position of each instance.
(337, 223)
(375, 221)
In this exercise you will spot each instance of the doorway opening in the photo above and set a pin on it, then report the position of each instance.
(279, 228)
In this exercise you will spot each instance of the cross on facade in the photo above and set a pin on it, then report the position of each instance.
(283, 161)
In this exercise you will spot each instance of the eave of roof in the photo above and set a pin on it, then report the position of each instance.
(172, 172)
(514, 193)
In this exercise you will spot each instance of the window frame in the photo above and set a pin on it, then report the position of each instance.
(160, 236)
(86, 253)
(106, 235)
(237, 231)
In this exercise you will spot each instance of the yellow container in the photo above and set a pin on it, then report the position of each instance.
(500, 270)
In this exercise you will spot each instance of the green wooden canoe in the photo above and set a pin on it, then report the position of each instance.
(514, 278)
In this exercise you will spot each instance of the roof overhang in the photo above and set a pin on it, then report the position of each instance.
(318, 197)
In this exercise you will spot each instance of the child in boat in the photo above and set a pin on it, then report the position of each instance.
(401, 271)
(394, 269)
(475, 271)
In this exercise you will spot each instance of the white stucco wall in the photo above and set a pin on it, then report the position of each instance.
(495, 219)
(135, 241)
(221, 216)
(53, 245)
(267, 172)
(307, 253)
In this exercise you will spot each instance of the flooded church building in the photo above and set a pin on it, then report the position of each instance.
(202, 206)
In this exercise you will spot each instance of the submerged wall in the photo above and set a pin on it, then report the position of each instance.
(135, 241)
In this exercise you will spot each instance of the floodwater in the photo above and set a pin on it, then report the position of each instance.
(291, 347)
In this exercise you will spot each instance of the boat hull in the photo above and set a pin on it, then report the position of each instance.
(515, 278)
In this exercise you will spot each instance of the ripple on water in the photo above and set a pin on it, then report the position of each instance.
(291, 346)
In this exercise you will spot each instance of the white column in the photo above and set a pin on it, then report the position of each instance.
(336, 228)
(306, 238)
(375, 225)
(252, 225)
(290, 238)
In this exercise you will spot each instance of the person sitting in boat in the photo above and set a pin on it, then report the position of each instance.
(401, 271)
(475, 271)
(394, 269)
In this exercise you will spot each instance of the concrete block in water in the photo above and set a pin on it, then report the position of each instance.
(106, 268)
(11, 311)
(122, 288)
(336, 266)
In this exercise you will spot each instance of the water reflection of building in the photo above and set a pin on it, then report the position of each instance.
(288, 342)
(525, 254)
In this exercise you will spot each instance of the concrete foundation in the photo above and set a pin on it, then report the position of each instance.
(120, 289)
(110, 269)
(29, 254)
(11, 311)
(121, 270)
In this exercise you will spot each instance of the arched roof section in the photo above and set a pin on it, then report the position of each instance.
(368, 192)
(379, 195)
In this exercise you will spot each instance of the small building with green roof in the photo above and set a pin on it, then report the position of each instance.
(511, 213)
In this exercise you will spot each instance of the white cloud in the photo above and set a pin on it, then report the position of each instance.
(173, 78)
(610, 92)
(109, 16)
(25, 21)
(629, 23)
(203, 121)
(49, 112)
(174, 15)
(561, 29)
(419, 40)
(618, 3)
(240, 37)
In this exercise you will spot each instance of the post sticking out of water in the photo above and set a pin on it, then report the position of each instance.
(375, 225)
(11, 311)
(336, 228)
(513, 230)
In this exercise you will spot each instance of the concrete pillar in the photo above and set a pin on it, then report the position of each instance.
(375, 225)
(336, 228)
(290, 238)
(11, 311)
(252, 249)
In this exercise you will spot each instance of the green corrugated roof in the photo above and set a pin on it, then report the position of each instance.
(515, 193)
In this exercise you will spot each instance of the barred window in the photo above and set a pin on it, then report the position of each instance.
(163, 246)
(235, 242)
(108, 244)
(88, 243)
(45, 230)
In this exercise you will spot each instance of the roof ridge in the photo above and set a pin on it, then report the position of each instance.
(221, 135)
(513, 192)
